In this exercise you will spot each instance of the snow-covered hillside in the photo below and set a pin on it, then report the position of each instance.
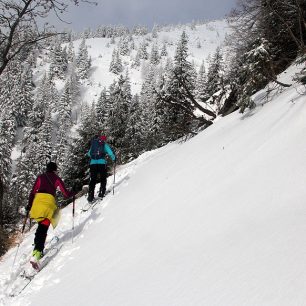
(217, 220)
(203, 41)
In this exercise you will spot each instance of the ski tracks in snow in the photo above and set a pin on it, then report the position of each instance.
(67, 246)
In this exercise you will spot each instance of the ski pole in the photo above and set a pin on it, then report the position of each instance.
(73, 210)
(21, 238)
(114, 178)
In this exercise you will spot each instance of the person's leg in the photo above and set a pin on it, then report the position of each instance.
(41, 235)
(93, 180)
(103, 179)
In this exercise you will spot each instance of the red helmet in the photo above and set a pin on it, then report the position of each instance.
(103, 137)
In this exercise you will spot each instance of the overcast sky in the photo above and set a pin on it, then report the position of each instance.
(145, 12)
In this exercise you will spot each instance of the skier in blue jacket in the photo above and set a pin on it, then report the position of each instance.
(98, 165)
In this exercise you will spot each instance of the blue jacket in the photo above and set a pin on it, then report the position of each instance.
(102, 161)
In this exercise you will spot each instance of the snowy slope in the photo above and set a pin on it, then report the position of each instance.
(218, 220)
(209, 36)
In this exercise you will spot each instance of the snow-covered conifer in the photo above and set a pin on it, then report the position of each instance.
(123, 47)
(70, 52)
(102, 110)
(120, 99)
(59, 61)
(7, 134)
(155, 31)
(154, 55)
(134, 138)
(164, 51)
(201, 91)
(83, 61)
(215, 73)
(64, 122)
(142, 51)
(116, 63)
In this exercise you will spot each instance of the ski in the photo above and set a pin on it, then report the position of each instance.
(26, 277)
(28, 273)
(90, 205)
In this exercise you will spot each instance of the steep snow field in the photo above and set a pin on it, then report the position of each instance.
(217, 220)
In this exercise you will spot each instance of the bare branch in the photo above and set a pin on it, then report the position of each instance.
(19, 18)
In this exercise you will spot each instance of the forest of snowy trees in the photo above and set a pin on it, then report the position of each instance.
(176, 100)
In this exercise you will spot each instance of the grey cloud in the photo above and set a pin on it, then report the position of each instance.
(146, 12)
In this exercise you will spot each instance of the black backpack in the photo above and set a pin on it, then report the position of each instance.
(97, 150)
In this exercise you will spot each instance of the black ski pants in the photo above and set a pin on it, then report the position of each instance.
(41, 235)
(95, 171)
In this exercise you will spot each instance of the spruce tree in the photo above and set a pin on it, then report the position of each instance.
(136, 61)
(47, 93)
(116, 63)
(135, 133)
(102, 110)
(124, 46)
(70, 52)
(201, 83)
(154, 56)
(215, 73)
(142, 51)
(75, 170)
(148, 100)
(180, 113)
(164, 51)
(83, 61)
(7, 134)
(120, 99)
(64, 122)
(59, 62)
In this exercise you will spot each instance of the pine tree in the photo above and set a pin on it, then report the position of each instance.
(83, 61)
(155, 31)
(17, 91)
(120, 100)
(76, 163)
(64, 122)
(116, 63)
(164, 51)
(142, 51)
(136, 61)
(102, 110)
(124, 46)
(148, 100)
(201, 91)
(47, 93)
(71, 53)
(7, 134)
(154, 56)
(180, 118)
(132, 43)
(254, 72)
(135, 133)
(26, 96)
(59, 62)
(215, 73)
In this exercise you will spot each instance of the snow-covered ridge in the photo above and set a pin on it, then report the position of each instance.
(217, 220)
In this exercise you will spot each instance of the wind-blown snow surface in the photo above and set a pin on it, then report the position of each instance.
(217, 220)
